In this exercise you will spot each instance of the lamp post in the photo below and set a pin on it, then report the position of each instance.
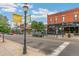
(75, 19)
(56, 26)
(25, 9)
(63, 26)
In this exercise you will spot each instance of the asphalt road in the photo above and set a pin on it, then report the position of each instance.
(71, 50)
(45, 46)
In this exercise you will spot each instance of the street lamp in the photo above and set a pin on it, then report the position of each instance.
(56, 26)
(75, 20)
(63, 17)
(25, 9)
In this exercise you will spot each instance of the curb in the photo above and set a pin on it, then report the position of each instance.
(29, 49)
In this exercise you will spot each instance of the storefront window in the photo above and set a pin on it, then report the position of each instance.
(51, 20)
(63, 18)
(75, 17)
(56, 19)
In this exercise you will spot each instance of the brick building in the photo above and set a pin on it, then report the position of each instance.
(66, 21)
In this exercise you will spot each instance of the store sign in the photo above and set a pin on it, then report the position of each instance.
(17, 18)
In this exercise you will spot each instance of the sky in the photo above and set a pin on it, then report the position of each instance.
(38, 11)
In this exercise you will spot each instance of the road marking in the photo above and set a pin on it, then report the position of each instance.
(58, 50)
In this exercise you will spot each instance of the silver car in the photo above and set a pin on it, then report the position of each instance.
(37, 34)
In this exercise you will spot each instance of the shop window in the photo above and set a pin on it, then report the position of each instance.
(63, 18)
(56, 20)
(51, 20)
(75, 16)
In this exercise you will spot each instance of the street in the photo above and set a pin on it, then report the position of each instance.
(47, 45)
(71, 50)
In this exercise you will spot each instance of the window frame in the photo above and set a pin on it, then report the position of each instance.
(63, 18)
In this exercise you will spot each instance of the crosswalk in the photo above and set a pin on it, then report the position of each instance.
(60, 49)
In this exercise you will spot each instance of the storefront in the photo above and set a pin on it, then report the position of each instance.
(64, 22)
(69, 28)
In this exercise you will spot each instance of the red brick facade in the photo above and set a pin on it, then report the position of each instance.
(68, 16)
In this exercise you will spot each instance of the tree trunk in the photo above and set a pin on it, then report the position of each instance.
(3, 37)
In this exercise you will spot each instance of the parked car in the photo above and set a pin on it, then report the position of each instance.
(37, 34)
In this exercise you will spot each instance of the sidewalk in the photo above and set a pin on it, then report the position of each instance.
(10, 48)
(59, 37)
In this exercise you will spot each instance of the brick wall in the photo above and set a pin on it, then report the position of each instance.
(69, 16)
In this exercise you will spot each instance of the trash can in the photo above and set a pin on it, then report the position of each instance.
(69, 35)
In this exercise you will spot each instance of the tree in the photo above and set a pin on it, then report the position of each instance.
(34, 25)
(3, 25)
(41, 26)
(38, 26)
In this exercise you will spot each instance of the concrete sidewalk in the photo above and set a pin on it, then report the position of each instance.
(59, 37)
(10, 48)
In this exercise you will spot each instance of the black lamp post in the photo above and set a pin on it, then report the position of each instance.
(56, 26)
(75, 19)
(25, 9)
(63, 26)
(62, 29)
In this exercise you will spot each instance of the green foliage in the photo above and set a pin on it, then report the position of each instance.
(29, 31)
(34, 25)
(3, 25)
(41, 26)
(38, 26)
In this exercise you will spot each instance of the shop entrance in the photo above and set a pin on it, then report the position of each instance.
(71, 29)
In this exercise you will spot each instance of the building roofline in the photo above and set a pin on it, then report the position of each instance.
(65, 11)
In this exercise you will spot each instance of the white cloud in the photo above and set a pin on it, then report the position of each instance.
(8, 7)
(8, 4)
(52, 12)
(41, 13)
(38, 16)
(21, 5)
(11, 7)
(30, 6)
(33, 17)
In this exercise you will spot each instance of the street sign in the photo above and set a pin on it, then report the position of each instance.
(28, 18)
(17, 18)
